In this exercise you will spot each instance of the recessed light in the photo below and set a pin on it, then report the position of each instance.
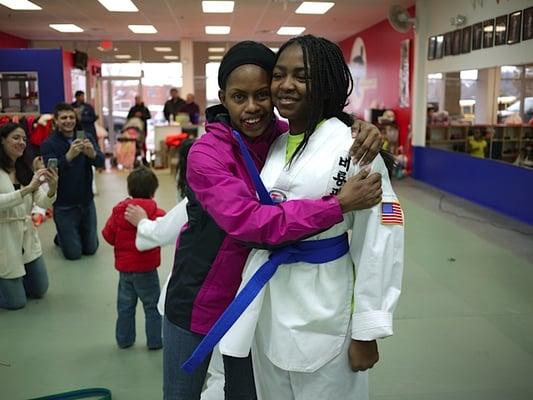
(215, 58)
(142, 28)
(290, 30)
(217, 6)
(70, 28)
(163, 49)
(119, 5)
(171, 57)
(314, 7)
(217, 30)
(216, 49)
(20, 5)
(122, 56)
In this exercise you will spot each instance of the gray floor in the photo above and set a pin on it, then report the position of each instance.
(463, 330)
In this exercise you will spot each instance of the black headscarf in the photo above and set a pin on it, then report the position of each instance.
(247, 52)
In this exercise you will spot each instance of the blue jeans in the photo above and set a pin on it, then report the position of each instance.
(34, 284)
(143, 285)
(178, 345)
(76, 230)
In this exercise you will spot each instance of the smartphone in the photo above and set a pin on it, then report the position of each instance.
(52, 163)
(80, 135)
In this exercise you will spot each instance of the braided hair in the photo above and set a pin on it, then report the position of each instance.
(329, 83)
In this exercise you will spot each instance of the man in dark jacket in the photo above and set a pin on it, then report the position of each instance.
(86, 115)
(74, 210)
(139, 110)
(173, 105)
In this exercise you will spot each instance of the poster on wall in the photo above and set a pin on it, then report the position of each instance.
(456, 45)
(404, 73)
(361, 83)
(467, 39)
(501, 30)
(439, 48)
(448, 39)
(515, 24)
(488, 33)
(527, 30)
(432, 43)
(477, 36)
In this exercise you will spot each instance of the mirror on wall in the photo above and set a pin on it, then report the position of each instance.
(487, 113)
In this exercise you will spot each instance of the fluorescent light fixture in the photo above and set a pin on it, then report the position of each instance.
(20, 5)
(438, 75)
(217, 6)
(163, 49)
(274, 49)
(215, 58)
(290, 30)
(501, 28)
(69, 28)
(119, 5)
(217, 30)
(122, 56)
(216, 49)
(488, 28)
(314, 7)
(171, 57)
(142, 28)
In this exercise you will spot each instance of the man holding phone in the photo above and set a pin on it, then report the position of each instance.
(74, 210)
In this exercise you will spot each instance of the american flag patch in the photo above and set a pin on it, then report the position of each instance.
(391, 214)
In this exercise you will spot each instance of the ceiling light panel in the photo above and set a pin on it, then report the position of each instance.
(218, 6)
(20, 5)
(290, 30)
(171, 58)
(119, 5)
(215, 58)
(314, 7)
(122, 56)
(68, 28)
(216, 49)
(142, 28)
(163, 49)
(217, 30)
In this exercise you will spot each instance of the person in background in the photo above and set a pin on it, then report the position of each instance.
(22, 268)
(191, 108)
(74, 210)
(138, 269)
(173, 105)
(85, 114)
(139, 110)
(477, 144)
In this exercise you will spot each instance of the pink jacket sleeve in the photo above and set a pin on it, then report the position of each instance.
(229, 202)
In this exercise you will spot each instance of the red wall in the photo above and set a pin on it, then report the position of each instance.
(8, 41)
(382, 44)
(68, 65)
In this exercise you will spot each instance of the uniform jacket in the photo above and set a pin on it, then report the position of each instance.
(305, 312)
(19, 243)
(225, 221)
(120, 234)
(75, 177)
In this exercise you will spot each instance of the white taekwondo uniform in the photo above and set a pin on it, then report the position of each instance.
(307, 314)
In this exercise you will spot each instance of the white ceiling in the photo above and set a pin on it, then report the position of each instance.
(175, 19)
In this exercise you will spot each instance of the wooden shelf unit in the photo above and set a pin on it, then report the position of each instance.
(505, 143)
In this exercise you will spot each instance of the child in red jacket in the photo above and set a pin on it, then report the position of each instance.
(138, 269)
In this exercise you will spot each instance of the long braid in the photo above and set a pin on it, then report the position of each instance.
(328, 84)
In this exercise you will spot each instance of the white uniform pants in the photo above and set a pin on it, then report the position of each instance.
(334, 380)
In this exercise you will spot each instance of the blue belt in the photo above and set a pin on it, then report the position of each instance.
(312, 251)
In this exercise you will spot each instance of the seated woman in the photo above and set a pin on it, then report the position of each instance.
(22, 268)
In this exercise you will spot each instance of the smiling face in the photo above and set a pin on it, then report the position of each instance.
(289, 89)
(66, 122)
(14, 144)
(247, 99)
